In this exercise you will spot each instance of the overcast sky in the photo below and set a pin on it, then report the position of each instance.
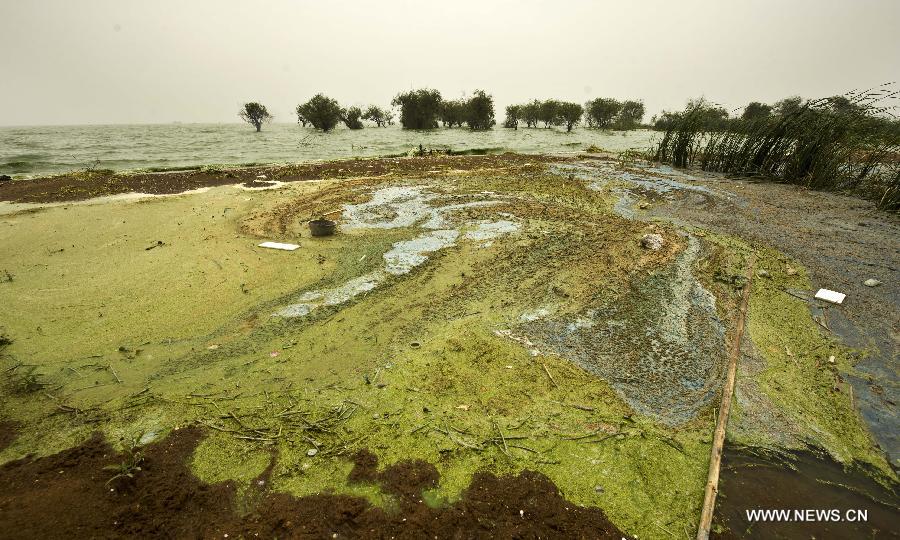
(123, 61)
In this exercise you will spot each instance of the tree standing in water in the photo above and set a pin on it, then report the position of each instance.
(324, 113)
(630, 115)
(378, 115)
(569, 114)
(479, 111)
(601, 112)
(513, 114)
(419, 109)
(351, 117)
(255, 114)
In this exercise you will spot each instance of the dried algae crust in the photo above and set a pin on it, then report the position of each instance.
(481, 354)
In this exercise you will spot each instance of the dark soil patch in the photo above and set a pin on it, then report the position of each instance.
(85, 185)
(9, 430)
(365, 468)
(67, 495)
(258, 184)
(809, 482)
(406, 479)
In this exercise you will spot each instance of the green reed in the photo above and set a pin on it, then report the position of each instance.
(846, 143)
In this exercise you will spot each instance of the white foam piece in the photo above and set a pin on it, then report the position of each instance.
(313, 300)
(406, 255)
(279, 245)
(488, 230)
(830, 296)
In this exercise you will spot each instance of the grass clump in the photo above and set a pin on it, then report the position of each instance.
(842, 143)
(133, 457)
(26, 380)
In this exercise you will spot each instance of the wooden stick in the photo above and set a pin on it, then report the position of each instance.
(116, 375)
(715, 459)
(549, 375)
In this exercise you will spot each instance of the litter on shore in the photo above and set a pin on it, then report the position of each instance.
(279, 245)
(830, 296)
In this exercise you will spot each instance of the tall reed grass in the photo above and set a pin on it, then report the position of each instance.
(846, 143)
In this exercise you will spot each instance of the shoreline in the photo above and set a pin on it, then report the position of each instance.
(366, 364)
(82, 185)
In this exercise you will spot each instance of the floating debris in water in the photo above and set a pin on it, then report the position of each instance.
(488, 230)
(535, 314)
(404, 206)
(653, 242)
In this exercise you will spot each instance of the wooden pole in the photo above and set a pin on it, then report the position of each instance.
(715, 459)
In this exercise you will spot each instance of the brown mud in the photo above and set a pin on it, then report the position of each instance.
(8, 432)
(70, 495)
(83, 185)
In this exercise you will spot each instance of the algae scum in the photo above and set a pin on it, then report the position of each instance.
(661, 345)
(497, 319)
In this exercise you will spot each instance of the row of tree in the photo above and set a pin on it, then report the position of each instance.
(599, 113)
(321, 112)
(425, 108)
(324, 113)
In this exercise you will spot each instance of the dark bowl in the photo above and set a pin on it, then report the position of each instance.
(322, 227)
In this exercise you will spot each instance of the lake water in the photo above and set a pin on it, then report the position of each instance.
(42, 150)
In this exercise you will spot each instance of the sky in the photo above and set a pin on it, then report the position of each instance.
(128, 61)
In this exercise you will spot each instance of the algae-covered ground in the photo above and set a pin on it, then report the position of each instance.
(500, 317)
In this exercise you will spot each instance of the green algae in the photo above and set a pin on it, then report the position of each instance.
(414, 368)
(220, 457)
(800, 378)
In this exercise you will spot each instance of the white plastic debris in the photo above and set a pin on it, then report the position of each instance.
(830, 296)
(279, 245)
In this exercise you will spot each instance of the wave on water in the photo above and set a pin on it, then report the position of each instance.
(27, 152)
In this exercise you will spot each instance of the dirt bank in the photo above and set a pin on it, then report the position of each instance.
(70, 494)
(83, 185)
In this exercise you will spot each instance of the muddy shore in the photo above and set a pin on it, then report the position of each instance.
(71, 495)
(90, 184)
(478, 328)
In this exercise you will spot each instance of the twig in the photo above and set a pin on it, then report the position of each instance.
(575, 405)
(502, 438)
(785, 291)
(549, 375)
(116, 375)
